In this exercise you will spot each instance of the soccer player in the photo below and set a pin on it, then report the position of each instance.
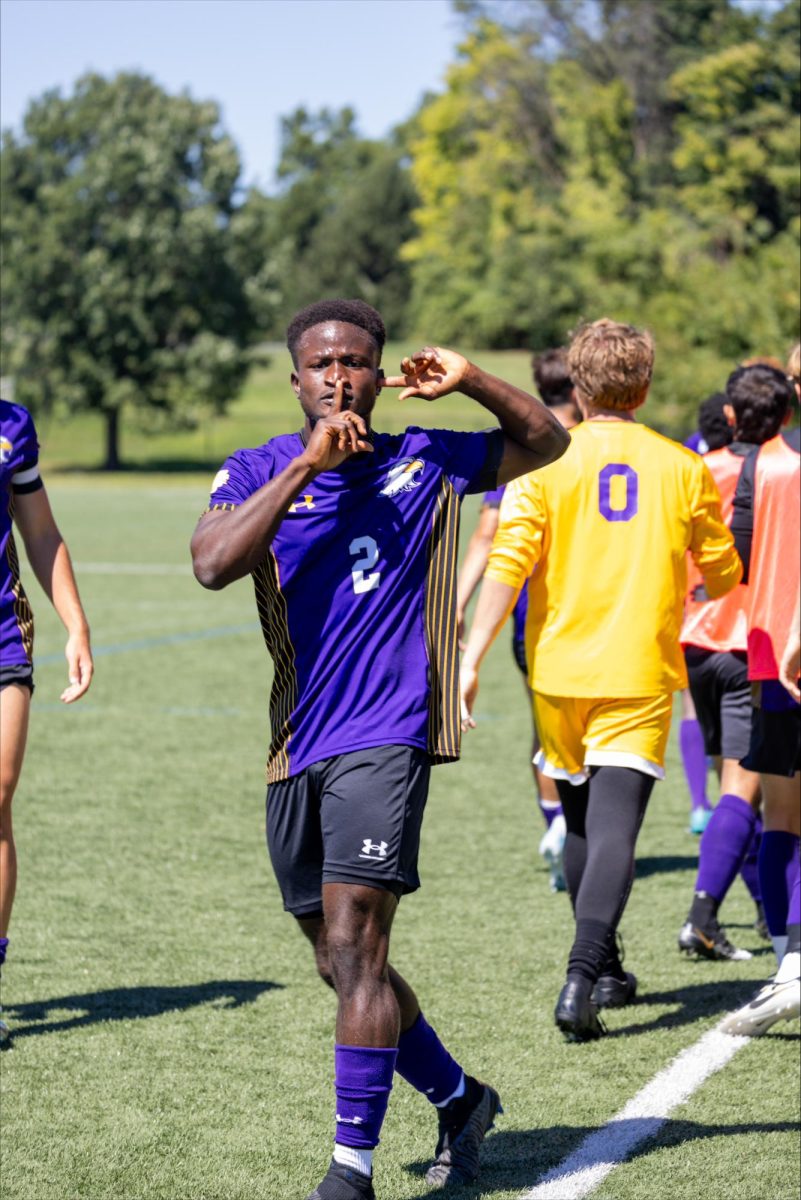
(25, 503)
(555, 388)
(351, 538)
(713, 433)
(608, 528)
(767, 526)
(714, 637)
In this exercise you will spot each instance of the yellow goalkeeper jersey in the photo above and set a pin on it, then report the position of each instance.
(607, 527)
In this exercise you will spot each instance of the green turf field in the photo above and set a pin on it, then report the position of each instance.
(171, 1038)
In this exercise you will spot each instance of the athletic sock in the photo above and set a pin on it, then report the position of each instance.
(363, 1081)
(724, 845)
(693, 757)
(749, 871)
(357, 1160)
(778, 869)
(703, 911)
(3, 949)
(424, 1062)
(550, 809)
(591, 949)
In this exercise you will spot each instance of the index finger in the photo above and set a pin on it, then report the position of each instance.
(339, 392)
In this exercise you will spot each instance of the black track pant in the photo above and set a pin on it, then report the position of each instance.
(603, 818)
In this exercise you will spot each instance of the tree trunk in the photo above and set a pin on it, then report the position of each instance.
(112, 462)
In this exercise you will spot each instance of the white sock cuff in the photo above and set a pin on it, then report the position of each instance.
(789, 968)
(458, 1091)
(779, 945)
(357, 1160)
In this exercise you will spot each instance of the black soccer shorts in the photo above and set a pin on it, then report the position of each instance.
(775, 732)
(722, 697)
(17, 673)
(354, 818)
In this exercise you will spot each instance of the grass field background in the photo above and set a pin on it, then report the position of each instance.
(172, 1040)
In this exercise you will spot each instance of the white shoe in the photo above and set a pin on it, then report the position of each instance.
(552, 844)
(775, 1002)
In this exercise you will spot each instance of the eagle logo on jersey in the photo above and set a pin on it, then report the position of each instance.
(6, 449)
(220, 480)
(403, 477)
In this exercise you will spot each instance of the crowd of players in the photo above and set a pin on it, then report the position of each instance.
(629, 563)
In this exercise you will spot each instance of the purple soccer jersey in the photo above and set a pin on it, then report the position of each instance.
(357, 594)
(19, 472)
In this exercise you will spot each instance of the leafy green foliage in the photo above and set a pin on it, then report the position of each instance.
(128, 276)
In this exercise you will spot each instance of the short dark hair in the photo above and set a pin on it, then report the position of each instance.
(552, 377)
(712, 424)
(760, 397)
(352, 312)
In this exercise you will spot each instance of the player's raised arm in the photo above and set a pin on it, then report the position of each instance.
(534, 437)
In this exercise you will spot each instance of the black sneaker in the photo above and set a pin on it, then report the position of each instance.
(612, 991)
(576, 1013)
(463, 1125)
(710, 943)
(343, 1183)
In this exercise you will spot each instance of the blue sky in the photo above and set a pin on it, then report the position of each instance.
(259, 59)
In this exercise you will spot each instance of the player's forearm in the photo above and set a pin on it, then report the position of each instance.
(475, 561)
(227, 545)
(495, 602)
(723, 575)
(522, 417)
(50, 560)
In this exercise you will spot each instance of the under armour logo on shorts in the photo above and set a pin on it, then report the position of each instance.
(373, 849)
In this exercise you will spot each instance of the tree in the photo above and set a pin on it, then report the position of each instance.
(130, 277)
(342, 214)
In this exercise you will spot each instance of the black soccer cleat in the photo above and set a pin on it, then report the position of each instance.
(343, 1183)
(463, 1125)
(576, 1013)
(710, 943)
(611, 991)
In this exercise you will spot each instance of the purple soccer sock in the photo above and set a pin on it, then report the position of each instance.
(778, 872)
(424, 1062)
(3, 950)
(550, 809)
(724, 845)
(693, 757)
(363, 1081)
(749, 871)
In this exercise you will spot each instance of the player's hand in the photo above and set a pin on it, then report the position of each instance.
(431, 372)
(468, 686)
(80, 666)
(337, 436)
(790, 667)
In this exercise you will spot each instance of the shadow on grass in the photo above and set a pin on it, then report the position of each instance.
(661, 864)
(131, 1004)
(518, 1159)
(693, 1001)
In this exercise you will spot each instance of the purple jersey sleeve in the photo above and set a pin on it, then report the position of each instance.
(470, 460)
(493, 499)
(240, 476)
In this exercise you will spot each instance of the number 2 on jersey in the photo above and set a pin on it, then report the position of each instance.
(632, 492)
(367, 548)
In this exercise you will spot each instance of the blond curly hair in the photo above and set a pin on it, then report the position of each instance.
(611, 364)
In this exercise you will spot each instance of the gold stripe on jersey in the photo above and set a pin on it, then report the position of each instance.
(22, 609)
(274, 618)
(444, 726)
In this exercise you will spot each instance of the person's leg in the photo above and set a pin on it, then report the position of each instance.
(552, 841)
(778, 858)
(693, 759)
(15, 701)
(724, 846)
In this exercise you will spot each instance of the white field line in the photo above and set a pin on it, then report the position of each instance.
(643, 1116)
(121, 568)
